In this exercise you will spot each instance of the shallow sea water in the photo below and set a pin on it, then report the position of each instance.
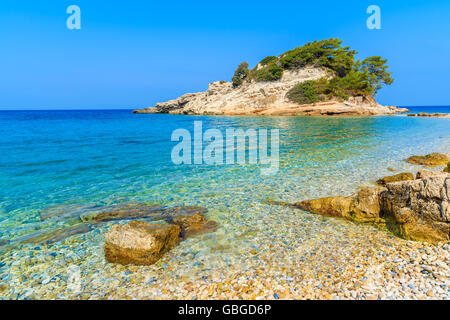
(72, 161)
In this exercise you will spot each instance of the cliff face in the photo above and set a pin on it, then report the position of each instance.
(266, 98)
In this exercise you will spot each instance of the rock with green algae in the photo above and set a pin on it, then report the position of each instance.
(395, 178)
(430, 160)
(140, 243)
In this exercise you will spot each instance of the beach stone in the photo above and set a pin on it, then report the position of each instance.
(140, 243)
(193, 224)
(398, 177)
(430, 160)
(419, 209)
(363, 207)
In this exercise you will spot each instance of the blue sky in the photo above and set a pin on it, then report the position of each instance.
(132, 54)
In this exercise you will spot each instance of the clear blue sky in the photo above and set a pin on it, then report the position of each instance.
(132, 54)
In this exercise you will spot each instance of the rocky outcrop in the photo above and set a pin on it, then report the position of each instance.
(430, 115)
(430, 160)
(415, 210)
(396, 178)
(419, 209)
(140, 243)
(267, 98)
(361, 207)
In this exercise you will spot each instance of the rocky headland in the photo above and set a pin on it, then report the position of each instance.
(320, 78)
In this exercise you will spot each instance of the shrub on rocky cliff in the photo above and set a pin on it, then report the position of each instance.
(270, 72)
(309, 92)
(268, 60)
(240, 74)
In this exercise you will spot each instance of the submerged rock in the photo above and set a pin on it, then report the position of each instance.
(3, 242)
(59, 234)
(396, 178)
(430, 160)
(140, 243)
(63, 211)
(76, 222)
(193, 224)
(419, 209)
(126, 212)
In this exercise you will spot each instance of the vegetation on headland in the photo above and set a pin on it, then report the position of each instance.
(349, 77)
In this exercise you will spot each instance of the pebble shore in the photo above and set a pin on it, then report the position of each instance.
(342, 261)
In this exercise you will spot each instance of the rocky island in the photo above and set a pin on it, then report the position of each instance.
(319, 78)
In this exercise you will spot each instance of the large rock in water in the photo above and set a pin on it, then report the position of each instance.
(430, 160)
(419, 209)
(396, 178)
(414, 210)
(140, 243)
(362, 207)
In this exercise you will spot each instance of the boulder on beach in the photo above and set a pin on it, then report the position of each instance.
(362, 207)
(419, 209)
(415, 209)
(140, 243)
(430, 160)
(396, 178)
(425, 174)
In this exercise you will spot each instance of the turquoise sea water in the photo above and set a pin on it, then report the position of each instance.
(77, 158)
(73, 161)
